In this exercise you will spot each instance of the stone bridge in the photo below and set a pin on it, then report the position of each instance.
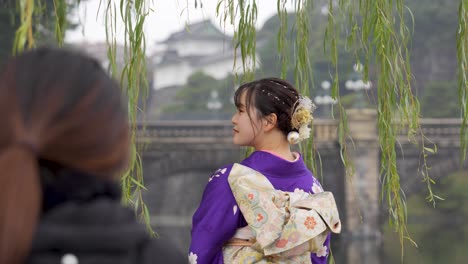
(179, 157)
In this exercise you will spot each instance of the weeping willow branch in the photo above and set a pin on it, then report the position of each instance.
(378, 31)
(303, 75)
(396, 103)
(60, 8)
(331, 39)
(462, 55)
(282, 40)
(245, 33)
(302, 68)
(24, 34)
(134, 83)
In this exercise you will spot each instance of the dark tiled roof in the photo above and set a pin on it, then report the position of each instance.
(203, 30)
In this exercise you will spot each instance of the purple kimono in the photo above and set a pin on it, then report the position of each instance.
(217, 218)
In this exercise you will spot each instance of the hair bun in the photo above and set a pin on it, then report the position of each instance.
(293, 137)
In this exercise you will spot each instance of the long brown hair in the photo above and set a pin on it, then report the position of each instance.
(60, 106)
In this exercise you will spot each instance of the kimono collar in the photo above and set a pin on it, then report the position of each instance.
(272, 165)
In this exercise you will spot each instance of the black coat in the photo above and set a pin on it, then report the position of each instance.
(91, 226)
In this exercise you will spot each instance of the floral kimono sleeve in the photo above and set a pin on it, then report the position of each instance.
(320, 257)
(215, 220)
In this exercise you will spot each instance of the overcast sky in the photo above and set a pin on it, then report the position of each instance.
(168, 16)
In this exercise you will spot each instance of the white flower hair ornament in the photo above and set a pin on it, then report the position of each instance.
(300, 120)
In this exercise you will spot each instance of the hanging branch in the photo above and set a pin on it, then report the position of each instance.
(282, 36)
(60, 8)
(377, 30)
(245, 33)
(330, 40)
(397, 106)
(303, 75)
(134, 84)
(462, 55)
(24, 34)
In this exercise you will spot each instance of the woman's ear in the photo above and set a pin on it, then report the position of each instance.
(270, 122)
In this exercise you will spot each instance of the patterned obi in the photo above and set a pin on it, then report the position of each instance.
(283, 227)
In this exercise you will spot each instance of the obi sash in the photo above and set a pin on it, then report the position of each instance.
(283, 227)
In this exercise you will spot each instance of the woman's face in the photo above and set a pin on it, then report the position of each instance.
(246, 125)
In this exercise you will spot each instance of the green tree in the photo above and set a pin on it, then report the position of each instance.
(199, 90)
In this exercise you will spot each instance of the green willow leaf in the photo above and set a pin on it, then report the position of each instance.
(60, 8)
(24, 36)
(462, 55)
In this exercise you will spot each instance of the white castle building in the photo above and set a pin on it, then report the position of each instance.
(199, 47)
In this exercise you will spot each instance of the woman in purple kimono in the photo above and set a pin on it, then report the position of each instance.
(265, 208)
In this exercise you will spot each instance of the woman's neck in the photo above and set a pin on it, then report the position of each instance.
(291, 158)
(275, 142)
(281, 150)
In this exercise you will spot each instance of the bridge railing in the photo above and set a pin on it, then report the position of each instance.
(441, 131)
(325, 130)
(207, 131)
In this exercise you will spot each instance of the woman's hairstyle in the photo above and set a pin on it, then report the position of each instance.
(277, 96)
(268, 96)
(60, 106)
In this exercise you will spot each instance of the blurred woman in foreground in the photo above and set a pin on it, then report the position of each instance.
(64, 140)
